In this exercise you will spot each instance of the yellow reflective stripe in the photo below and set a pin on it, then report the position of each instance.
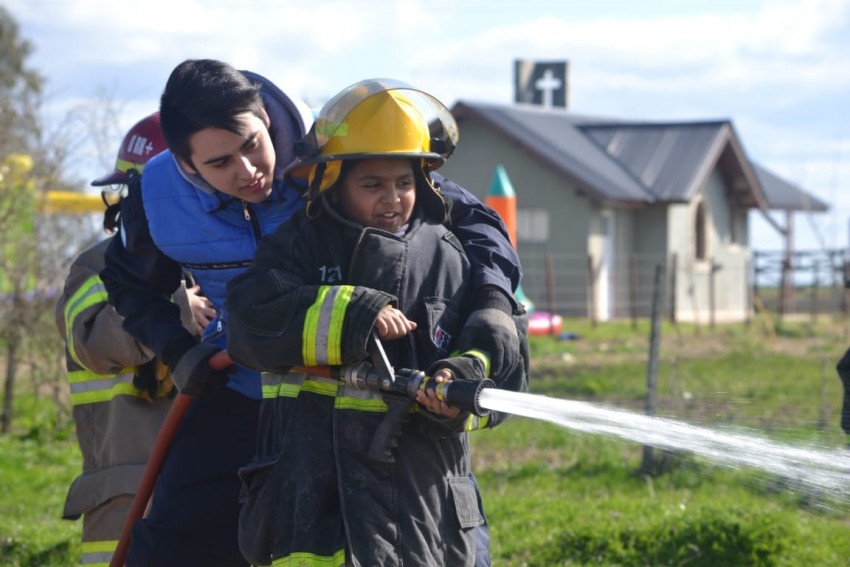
(473, 422)
(346, 399)
(98, 546)
(105, 395)
(88, 387)
(373, 405)
(304, 559)
(281, 391)
(322, 334)
(294, 383)
(321, 387)
(336, 322)
(90, 293)
(277, 386)
(311, 323)
(98, 553)
(77, 376)
(482, 356)
(123, 165)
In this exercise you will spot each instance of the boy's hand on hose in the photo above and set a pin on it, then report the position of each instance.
(446, 370)
(428, 399)
(392, 324)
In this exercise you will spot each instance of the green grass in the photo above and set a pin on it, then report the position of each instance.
(559, 497)
(39, 461)
(554, 496)
(571, 499)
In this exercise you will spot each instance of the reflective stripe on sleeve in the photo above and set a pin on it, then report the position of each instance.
(473, 422)
(482, 356)
(322, 334)
(90, 293)
(89, 388)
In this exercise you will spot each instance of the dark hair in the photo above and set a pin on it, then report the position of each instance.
(205, 93)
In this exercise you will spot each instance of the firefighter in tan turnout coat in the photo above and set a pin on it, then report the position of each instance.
(120, 393)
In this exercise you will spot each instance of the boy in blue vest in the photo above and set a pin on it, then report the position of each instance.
(370, 254)
(204, 206)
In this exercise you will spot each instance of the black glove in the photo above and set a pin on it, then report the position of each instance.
(490, 328)
(189, 362)
(144, 378)
(154, 379)
(843, 369)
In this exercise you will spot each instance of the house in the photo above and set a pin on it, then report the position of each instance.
(603, 203)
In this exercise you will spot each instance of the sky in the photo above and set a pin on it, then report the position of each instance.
(778, 69)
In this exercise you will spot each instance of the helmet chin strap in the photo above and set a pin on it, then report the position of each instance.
(316, 181)
(314, 189)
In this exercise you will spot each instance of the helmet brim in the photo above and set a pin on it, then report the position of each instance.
(114, 178)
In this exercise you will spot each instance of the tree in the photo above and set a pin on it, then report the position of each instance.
(20, 89)
(20, 94)
(36, 250)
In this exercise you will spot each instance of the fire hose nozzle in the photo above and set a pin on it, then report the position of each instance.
(462, 393)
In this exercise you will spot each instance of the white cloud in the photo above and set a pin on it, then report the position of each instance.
(778, 69)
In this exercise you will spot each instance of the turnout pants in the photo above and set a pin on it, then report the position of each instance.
(194, 512)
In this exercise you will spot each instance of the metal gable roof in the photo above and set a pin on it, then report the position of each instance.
(633, 162)
(667, 158)
(554, 138)
(782, 195)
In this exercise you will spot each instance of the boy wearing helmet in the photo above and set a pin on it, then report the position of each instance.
(119, 390)
(370, 254)
(204, 206)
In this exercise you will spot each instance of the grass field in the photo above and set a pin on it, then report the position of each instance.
(555, 496)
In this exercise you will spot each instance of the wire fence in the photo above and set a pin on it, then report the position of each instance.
(804, 282)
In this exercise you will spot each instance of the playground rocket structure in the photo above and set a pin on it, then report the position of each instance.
(501, 197)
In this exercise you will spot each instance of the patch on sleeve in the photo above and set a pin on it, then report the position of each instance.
(441, 339)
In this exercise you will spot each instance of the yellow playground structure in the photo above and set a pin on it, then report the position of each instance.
(69, 202)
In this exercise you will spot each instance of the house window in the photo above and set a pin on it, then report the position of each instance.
(699, 233)
(532, 225)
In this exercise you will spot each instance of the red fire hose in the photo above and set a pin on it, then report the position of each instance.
(175, 415)
(462, 395)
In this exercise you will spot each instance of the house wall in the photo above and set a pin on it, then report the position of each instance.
(562, 258)
(715, 287)
(558, 274)
(647, 249)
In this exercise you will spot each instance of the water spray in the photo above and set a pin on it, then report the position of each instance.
(821, 472)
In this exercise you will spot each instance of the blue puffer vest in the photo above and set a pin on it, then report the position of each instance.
(213, 236)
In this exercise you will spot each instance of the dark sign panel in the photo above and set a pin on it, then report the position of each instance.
(541, 83)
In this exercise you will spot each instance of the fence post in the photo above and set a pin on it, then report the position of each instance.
(755, 282)
(815, 285)
(672, 276)
(633, 289)
(845, 265)
(591, 291)
(652, 366)
(550, 291)
(712, 299)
